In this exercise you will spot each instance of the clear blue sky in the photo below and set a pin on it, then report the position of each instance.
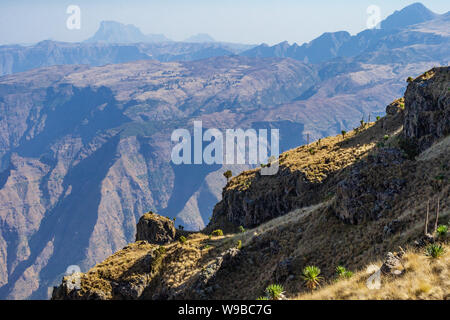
(245, 21)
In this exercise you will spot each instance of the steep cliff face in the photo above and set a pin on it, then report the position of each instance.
(155, 229)
(372, 187)
(427, 105)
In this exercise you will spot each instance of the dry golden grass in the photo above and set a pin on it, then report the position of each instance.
(317, 159)
(424, 278)
(122, 266)
(171, 267)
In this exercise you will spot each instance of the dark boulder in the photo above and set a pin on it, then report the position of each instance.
(155, 229)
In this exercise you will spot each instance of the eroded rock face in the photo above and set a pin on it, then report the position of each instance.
(155, 229)
(249, 209)
(204, 284)
(123, 276)
(369, 190)
(427, 107)
(395, 107)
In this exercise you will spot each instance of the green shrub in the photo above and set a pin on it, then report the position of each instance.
(217, 233)
(262, 298)
(311, 276)
(435, 251)
(161, 250)
(342, 272)
(386, 137)
(274, 291)
(343, 132)
(442, 231)
(182, 239)
(241, 229)
(410, 79)
(228, 174)
(378, 118)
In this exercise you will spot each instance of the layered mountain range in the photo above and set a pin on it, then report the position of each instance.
(414, 27)
(85, 149)
(115, 32)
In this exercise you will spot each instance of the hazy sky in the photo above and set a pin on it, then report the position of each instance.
(244, 21)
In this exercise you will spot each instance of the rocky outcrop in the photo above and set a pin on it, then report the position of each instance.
(427, 107)
(204, 283)
(155, 229)
(123, 276)
(307, 175)
(370, 188)
(247, 208)
(395, 107)
(393, 264)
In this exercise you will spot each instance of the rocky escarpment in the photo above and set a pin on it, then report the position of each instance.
(124, 275)
(307, 175)
(243, 206)
(155, 229)
(372, 186)
(427, 107)
(366, 169)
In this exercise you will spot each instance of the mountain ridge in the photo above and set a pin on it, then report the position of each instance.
(116, 32)
(332, 45)
(328, 46)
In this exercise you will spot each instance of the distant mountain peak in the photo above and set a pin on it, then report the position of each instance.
(199, 38)
(116, 32)
(283, 44)
(412, 14)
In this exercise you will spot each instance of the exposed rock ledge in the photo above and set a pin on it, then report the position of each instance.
(155, 229)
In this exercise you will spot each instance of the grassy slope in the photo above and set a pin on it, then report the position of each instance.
(424, 278)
